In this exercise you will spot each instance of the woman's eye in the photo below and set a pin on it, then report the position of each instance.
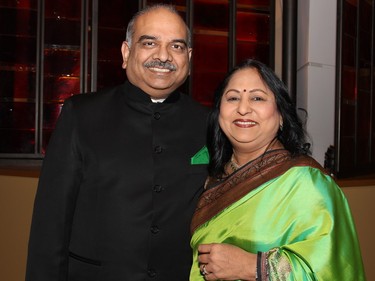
(258, 98)
(232, 98)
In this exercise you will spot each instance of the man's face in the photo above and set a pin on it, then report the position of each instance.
(158, 59)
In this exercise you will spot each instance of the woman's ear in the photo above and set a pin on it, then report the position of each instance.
(281, 124)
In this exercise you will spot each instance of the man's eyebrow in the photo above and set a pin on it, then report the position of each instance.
(146, 37)
(182, 41)
(149, 37)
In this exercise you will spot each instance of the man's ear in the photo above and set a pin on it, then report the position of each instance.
(190, 51)
(125, 51)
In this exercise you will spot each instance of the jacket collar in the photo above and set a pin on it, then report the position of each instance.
(134, 93)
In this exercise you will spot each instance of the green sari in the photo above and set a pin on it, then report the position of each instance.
(288, 209)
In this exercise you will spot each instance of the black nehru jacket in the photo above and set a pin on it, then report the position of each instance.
(117, 189)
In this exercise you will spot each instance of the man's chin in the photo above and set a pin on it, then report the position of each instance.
(158, 91)
(163, 87)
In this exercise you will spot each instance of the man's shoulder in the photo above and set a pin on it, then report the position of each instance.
(99, 97)
(189, 102)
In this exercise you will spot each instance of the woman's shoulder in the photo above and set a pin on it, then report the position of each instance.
(310, 174)
(308, 162)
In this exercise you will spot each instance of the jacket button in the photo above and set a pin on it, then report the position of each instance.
(154, 229)
(157, 188)
(158, 149)
(157, 115)
(151, 272)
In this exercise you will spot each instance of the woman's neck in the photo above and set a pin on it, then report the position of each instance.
(240, 157)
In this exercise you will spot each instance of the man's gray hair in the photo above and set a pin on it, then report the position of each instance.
(130, 29)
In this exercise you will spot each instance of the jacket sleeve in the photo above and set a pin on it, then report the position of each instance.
(55, 202)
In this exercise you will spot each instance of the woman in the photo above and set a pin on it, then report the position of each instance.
(269, 212)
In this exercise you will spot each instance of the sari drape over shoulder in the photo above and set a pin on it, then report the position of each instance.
(287, 208)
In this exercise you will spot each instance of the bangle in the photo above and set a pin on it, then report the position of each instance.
(258, 272)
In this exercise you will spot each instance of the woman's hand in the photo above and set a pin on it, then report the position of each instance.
(226, 262)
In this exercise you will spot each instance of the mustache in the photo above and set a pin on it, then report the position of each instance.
(160, 64)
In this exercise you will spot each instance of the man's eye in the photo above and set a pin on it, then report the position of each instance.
(148, 43)
(178, 47)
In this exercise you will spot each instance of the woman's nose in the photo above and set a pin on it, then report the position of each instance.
(244, 107)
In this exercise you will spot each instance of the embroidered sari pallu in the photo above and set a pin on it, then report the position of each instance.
(287, 208)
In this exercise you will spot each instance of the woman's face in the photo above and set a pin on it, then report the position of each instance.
(248, 112)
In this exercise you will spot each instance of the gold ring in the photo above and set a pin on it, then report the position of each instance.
(204, 271)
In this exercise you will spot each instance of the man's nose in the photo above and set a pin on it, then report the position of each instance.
(163, 54)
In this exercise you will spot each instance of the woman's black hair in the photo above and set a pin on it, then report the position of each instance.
(291, 135)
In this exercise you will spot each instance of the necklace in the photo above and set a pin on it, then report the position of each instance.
(233, 164)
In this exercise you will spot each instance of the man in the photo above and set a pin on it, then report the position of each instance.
(124, 168)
